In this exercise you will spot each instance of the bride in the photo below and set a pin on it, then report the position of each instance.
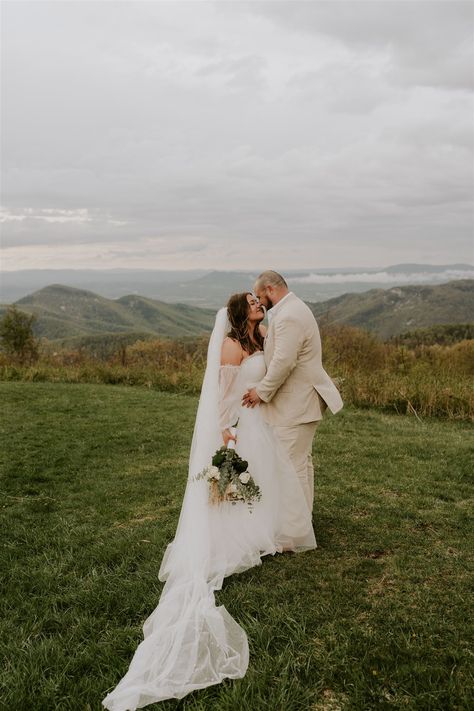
(190, 643)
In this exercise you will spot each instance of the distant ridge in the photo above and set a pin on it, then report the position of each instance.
(66, 312)
(211, 288)
(389, 312)
(433, 268)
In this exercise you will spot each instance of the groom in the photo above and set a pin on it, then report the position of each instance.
(296, 389)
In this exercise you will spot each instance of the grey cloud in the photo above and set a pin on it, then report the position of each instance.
(384, 277)
(162, 248)
(217, 123)
(353, 87)
(242, 73)
(429, 43)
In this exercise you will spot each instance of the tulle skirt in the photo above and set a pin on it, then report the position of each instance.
(190, 643)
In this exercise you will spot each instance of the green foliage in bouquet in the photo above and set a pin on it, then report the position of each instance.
(229, 479)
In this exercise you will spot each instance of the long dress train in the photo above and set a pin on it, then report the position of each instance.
(190, 643)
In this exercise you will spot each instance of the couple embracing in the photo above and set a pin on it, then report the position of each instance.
(273, 385)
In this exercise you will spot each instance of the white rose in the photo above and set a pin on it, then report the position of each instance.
(244, 477)
(214, 473)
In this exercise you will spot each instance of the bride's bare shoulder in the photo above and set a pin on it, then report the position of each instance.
(231, 352)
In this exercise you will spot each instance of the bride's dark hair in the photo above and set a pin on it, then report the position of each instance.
(238, 314)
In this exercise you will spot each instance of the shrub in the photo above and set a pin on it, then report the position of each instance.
(16, 334)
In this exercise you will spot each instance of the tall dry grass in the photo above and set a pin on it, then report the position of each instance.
(423, 381)
(162, 364)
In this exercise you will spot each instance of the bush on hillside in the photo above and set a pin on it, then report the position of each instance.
(442, 335)
(16, 336)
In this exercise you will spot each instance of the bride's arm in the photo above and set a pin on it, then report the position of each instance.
(231, 353)
(229, 400)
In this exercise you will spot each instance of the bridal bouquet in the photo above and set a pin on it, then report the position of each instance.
(229, 479)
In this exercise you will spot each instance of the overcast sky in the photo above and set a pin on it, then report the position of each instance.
(236, 134)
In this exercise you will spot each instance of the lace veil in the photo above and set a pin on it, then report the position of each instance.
(189, 643)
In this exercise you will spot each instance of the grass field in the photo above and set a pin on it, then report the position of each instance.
(378, 617)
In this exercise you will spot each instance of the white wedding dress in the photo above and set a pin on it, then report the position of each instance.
(190, 643)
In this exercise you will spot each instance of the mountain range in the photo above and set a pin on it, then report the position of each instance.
(211, 289)
(390, 312)
(64, 312)
(68, 314)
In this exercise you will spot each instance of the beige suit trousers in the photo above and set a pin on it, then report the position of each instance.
(297, 440)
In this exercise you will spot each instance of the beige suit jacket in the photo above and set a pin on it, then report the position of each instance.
(296, 387)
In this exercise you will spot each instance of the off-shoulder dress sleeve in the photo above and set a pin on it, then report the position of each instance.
(229, 395)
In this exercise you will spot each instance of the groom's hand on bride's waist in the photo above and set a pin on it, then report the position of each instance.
(251, 398)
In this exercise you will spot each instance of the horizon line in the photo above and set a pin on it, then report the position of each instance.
(245, 270)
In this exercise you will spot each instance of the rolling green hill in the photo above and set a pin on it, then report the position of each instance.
(389, 312)
(64, 312)
(69, 315)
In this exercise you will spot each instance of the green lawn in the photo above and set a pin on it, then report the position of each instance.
(378, 617)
